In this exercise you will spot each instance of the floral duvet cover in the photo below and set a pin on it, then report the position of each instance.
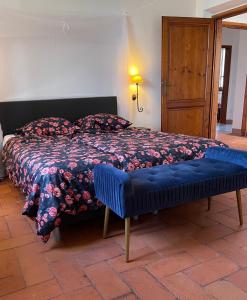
(56, 173)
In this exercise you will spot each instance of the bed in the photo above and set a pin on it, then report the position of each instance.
(56, 173)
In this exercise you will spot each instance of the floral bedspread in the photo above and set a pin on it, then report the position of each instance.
(56, 173)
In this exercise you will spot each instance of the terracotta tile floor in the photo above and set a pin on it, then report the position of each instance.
(182, 253)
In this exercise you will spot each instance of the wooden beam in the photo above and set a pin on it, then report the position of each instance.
(234, 25)
(231, 12)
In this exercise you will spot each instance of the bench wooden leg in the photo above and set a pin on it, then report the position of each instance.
(240, 211)
(127, 238)
(209, 202)
(107, 213)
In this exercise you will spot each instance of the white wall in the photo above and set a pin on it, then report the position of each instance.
(231, 37)
(91, 56)
(81, 61)
(39, 68)
(145, 31)
(240, 81)
(76, 48)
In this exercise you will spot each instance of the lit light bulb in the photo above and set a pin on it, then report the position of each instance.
(133, 70)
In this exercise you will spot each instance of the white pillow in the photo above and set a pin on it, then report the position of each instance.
(7, 138)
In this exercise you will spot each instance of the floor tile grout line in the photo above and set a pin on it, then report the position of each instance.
(158, 281)
(181, 271)
(94, 286)
(221, 278)
(19, 263)
(120, 275)
(227, 235)
(126, 295)
(7, 224)
(14, 247)
(24, 288)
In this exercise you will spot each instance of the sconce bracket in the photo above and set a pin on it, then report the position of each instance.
(134, 97)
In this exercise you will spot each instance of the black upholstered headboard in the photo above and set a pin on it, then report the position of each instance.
(15, 114)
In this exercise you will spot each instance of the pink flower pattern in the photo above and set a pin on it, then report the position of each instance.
(56, 172)
(102, 121)
(48, 127)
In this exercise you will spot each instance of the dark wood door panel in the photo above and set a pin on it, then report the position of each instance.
(188, 103)
(178, 117)
(188, 46)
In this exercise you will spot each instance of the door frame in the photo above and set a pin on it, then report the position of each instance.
(234, 25)
(239, 10)
(225, 90)
(218, 20)
(244, 118)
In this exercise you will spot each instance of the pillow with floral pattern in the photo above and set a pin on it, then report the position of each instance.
(102, 121)
(50, 126)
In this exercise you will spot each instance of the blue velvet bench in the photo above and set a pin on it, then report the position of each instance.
(146, 190)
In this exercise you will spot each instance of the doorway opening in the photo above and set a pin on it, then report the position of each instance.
(229, 106)
(224, 124)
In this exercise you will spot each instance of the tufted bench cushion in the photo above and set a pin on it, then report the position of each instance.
(171, 185)
(146, 190)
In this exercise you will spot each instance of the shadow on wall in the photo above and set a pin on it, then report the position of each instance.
(137, 58)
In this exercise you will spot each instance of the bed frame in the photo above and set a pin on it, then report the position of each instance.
(15, 114)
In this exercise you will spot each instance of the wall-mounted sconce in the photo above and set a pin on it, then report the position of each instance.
(137, 79)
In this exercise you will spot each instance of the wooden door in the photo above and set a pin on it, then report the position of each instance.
(187, 62)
